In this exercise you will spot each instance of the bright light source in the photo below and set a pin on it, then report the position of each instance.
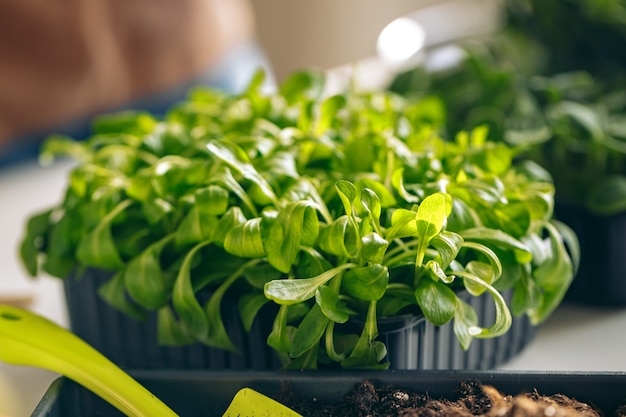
(400, 40)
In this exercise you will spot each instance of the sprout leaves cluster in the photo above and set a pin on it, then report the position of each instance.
(318, 210)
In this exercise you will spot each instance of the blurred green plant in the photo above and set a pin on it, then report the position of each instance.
(553, 84)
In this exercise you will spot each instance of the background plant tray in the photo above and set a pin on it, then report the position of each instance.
(600, 279)
(208, 393)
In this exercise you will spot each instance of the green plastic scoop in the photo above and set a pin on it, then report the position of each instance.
(29, 339)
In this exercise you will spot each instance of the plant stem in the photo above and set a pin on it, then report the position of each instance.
(389, 168)
(371, 324)
(330, 345)
(401, 246)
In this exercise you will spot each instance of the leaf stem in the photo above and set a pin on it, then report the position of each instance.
(371, 324)
(389, 168)
(330, 345)
(401, 246)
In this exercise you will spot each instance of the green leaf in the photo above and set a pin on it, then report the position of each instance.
(431, 217)
(496, 159)
(173, 175)
(310, 264)
(367, 355)
(361, 150)
(579, 114)
(36, 229)
(216, 335)
(481, 270)
(554, 275)
(292, 291)
(328, 112)
(498, 238)
(97, 248)
(225, 178)
(59, 145)
(114, 294)
(156, 209)
(403, 224)
(527, 296)
(430, 220)
(280, 164)
(308, 360)
(513, 218)
(245, 240)
(309, 332)
(295, 225)
(258, 275)
(340, 238)
(373, 248)
(280, 339)
(256, 82)
(186, 305)
(144, 279)
(169, 330)
(347, 193)
(503, 319)
(372, 206)
(463, 216)
(331, 306)
(465, 323)
(491, 272)
(436, 300)
(212, 199)
(528, 137)
(436, 272)
(196, 226)
(134, 122)
(249, 307)
(607, 196)
(397, 180)
(570, 239)
(302, 86)
(237, 159)
(231, 219)
(366, 282)
(448, 244)
(61, 243)
(385, 196)
(368, 352)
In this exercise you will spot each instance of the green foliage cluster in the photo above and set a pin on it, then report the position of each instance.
(323, 209)
(553, 83)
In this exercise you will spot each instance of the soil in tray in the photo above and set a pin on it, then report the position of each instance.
(471, 399)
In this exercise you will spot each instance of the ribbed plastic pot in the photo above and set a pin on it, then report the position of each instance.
(412, 341)
(600, 279)
(415, 343)
(133, 344)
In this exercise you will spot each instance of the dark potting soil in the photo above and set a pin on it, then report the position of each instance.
(472, 399)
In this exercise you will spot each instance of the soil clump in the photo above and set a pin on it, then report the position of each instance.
(471, 399)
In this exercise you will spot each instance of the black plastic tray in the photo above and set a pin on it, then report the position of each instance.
(195, 394)
(600, 279)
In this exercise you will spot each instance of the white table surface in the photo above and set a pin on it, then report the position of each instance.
(575, 338)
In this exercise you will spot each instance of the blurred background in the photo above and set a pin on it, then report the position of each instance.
(324, 33)
(63, 64)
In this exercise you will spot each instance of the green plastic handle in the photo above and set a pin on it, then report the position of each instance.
(29, 339)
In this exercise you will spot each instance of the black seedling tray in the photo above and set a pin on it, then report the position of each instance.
(206, 393)
(600, 279)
